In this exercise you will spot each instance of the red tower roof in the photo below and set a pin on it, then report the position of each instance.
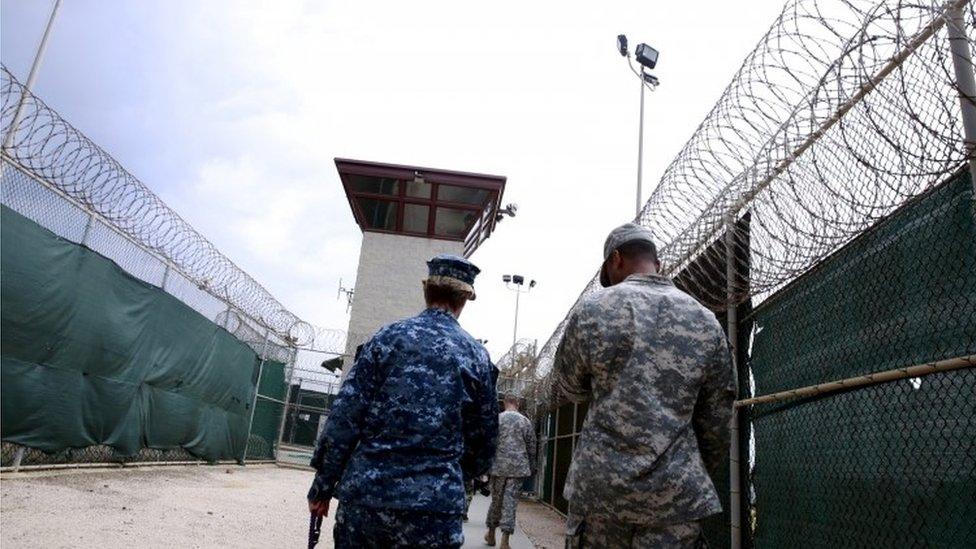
(422, 202)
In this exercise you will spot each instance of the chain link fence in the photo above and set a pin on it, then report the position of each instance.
(56, 177)
(824, 211)
(889, 459)
(312, 386)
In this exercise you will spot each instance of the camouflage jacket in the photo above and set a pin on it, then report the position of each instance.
(515, 456)
(415, 417)
(655, 366)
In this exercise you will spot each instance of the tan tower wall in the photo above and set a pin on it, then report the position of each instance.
(388, 288)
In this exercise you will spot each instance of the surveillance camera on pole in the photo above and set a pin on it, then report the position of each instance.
(510, 210)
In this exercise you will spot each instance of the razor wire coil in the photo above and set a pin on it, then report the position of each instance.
(844, 111)
(47, 148)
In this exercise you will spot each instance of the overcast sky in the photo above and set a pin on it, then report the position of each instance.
(233, 111)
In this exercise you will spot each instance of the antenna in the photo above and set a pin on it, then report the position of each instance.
(349, 293)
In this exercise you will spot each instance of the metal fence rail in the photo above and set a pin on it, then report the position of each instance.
(835, 169)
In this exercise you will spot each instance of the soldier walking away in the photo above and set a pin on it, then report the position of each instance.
(655, 367)
(416, 417)
(514, 461)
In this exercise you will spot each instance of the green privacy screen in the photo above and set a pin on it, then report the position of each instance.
(267, 414)
(890, 465)
(91, 355)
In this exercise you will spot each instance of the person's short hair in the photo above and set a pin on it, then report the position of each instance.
(453, 297)
(638, 250)
(510, 399)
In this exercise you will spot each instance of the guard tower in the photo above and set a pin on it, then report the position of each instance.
(409, 214)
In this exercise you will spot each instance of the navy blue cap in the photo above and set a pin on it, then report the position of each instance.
(453, 271)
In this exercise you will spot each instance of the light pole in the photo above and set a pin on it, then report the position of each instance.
(516, 283)
(647, 57)
(32, 77)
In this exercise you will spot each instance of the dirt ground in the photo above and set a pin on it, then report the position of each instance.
(195, 506)
(542, 525)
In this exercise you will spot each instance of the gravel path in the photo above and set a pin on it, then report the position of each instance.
(195, 506)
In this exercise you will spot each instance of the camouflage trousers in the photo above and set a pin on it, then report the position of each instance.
(357, 526)
(504, 500)
(585, 533)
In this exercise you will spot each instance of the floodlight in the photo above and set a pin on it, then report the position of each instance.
(506, 278)
(651, 79)
(622, 44)
(532, 284)
(518, 279)
(646, 55)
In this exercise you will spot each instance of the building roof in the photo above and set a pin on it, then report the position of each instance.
(422, 202)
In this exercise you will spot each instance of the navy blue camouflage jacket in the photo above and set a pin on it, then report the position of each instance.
(416, 417)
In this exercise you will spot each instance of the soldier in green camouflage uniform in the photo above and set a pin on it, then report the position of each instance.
(655, 366)
(514, 461)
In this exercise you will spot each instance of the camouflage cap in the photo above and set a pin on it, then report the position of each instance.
(452, 271)
(628, 232)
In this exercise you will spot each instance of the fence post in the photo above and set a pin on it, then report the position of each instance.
(227, 317)
(18, 457)
(257, 389)
(732, 321)
(962, 62)
(284, 407)
(165, 276)
(87, 231)
(298, 408)
(31, 77)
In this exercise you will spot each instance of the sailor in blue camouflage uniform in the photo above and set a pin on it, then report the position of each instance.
(416, 417)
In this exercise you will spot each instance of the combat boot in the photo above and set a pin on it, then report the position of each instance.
(504, 544)
(490, 537)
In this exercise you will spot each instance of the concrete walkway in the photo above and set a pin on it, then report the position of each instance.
(474, 529)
